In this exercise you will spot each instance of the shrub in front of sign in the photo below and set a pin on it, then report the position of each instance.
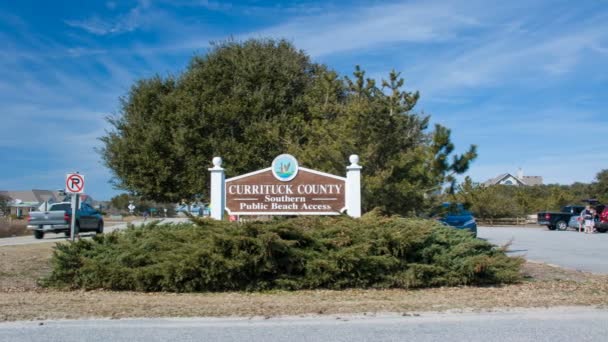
(292, 254)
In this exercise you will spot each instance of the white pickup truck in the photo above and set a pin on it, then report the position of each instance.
(58, 219)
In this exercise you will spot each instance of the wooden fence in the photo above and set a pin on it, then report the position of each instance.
(508, 221)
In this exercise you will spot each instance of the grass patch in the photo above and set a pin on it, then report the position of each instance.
(291, 254)
(51, 304)
(10, 228)
(22, 266)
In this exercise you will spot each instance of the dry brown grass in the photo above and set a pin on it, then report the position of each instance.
(10, 228)
(22, 266)
(124, 219)
(22, 299)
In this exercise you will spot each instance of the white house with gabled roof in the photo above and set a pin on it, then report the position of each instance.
(517, 180)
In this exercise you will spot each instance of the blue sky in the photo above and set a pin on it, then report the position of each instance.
(527, 81)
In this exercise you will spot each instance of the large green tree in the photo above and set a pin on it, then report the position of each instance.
(250, 101)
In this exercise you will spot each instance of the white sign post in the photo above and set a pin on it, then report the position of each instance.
(353, 187)
(218, 189)
(74, 185)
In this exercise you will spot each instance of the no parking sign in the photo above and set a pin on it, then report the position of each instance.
(74, 183)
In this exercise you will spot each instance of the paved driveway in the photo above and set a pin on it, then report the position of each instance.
(52, 237)
(552, 325)
(569, 249)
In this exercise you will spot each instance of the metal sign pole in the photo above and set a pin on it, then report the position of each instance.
(74, 185)
(73, 223)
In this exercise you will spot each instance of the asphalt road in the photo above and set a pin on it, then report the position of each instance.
(554, 325)
(52, 237)
(568, 249)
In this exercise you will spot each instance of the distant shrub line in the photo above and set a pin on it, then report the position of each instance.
(292, 254)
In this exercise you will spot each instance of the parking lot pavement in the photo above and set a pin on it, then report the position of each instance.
(52, 237)
(539, 325)
(569, 249)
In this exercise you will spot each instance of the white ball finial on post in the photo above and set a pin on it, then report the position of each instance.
(217, 162)
(353, 187)
(218, 188)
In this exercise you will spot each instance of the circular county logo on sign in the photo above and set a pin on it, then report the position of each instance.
(285, 167)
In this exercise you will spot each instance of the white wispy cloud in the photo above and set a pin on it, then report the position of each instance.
(215, 5)
(456, 44)
(502, 56)
(57, 140)
(370, 27)
(127, 22)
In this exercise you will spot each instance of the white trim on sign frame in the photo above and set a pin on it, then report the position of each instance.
(249, 174)
(301, 169)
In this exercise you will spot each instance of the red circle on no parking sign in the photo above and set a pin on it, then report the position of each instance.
(74, 183)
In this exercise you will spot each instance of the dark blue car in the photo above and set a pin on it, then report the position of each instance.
(455, 215)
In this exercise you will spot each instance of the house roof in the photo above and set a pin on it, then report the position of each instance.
(495, 180)
(533, 180)
(501, 177)
(525, 180)
(31, 196)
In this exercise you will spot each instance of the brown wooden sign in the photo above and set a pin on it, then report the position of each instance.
(285, 189)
